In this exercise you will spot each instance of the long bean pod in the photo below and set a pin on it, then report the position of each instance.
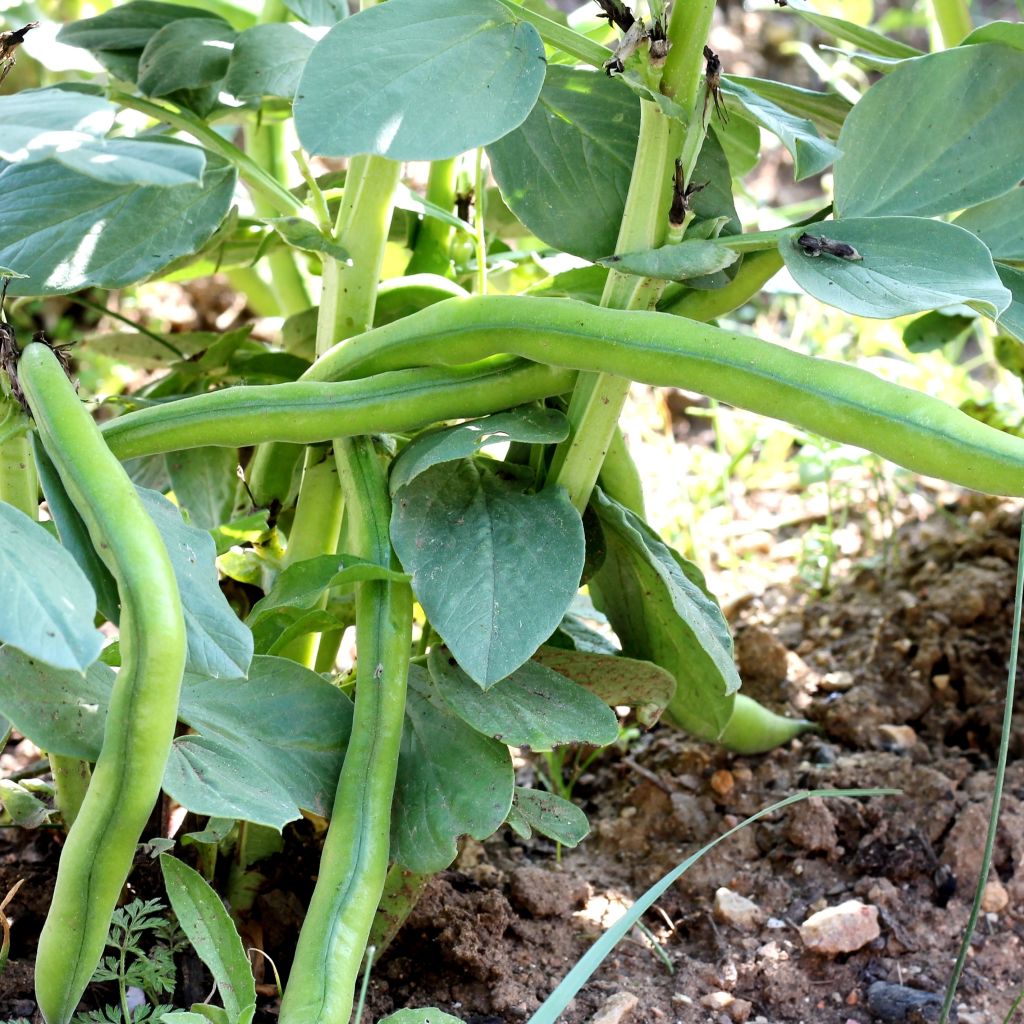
(837, 401)
(354, 863)
(100, 846)
(308, 412)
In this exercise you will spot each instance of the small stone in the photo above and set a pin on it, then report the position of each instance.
(739, 1010)
(895, 1004)
(841, 929)
(616, 1010)
(994, 898)
(836, 682)
(897, 737)
(941, 681)
(722, 782)
(732, 908)
(717, 1000)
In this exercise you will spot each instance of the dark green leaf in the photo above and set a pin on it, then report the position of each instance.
(549, 815)
(1009, 353)
(959, 136)
(564, 172)
(452, 781)
(527, 423)
(419, 83)
(319, 12)
(212, 934)
(204, 484)
(585, 284)
(137, 349)
(673, 262)
(68, 231)
(868, 38)
(659, 606)
(268, 60)
(1011, 319)
(741, 141)
(403, 296)
(190, 53)
(219, 645)
(614, 679)
(827, 110)
(1011, 33)
(494, 569)
(25, 811)
(127, 27)
(300, 233)
(534, 707)
(934, 330)
(48, 606)
(999, 223)
(907, 264)
(811, 153)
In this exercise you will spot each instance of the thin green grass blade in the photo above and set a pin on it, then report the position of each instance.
(552, 1007)
(997, 791)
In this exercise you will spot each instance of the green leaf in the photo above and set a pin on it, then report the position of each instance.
(564, 172)
(190, 53)
(868, 38)
(60, 710)
(74, 535)
(302, 584)
(204, 482)
(402, 296)
(67, 231)
(421, 81)
(212, 934)
(302, 234)
(319, 12)
(277, 631)
(827, 110)
(549, 815)
(534, 707)
(24, 809)
(268, 60)
(673, 262)
(999, 223)
(452, 781)
(614, 679)
(934, 330)
(586, 284)
(811, 153)
(1010, 33)
(265, 748)
(494, 568)
(1011, 319)
(958, 140)
(660, 608)
(527, 423)
(219, 645)
(48, 606)
(907, 264)
(127, 27)
(741, 141)
(427, 1015)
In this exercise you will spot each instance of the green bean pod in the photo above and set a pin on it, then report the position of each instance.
(840, 402)
(354, 863)
(100, 846)
(312, 412)
(754, 729)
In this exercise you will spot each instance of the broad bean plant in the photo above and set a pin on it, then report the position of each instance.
(250, 500)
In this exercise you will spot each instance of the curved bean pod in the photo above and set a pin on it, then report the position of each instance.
(310, 412)
(100, 846)
(837, 401)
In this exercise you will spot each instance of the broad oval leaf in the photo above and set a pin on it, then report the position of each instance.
(527, 423)
(859, 35)
(211, 933)
(1011, 319)
(536, 811)
(267, 60)
(494, 568)
(1009, 32)
(674, 262)
(907, 264)
(534, 707)
(49, 605)
(425, 1015)
(203, 480)
(564, 172)
(219, 644)
(999, 223)
(128, 27)
(264, 749)
(35, 123)
(419, 80)
(958, 139)
(319, 12)
(827, 110)
(67, 231)
(659, 606)
(452, 781)
(190, 53)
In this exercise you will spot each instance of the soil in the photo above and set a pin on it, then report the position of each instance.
(903, 669)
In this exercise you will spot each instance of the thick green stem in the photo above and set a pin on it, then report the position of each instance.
(952, 20)
(71, 780)
(354, 864)
(431, 252)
